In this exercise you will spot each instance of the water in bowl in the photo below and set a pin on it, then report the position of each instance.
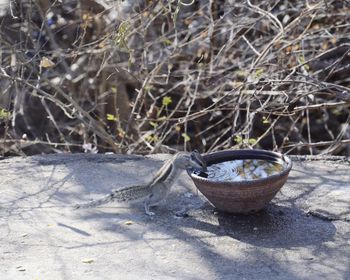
(241, 170)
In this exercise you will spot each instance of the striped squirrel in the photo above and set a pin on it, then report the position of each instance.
(158, 189)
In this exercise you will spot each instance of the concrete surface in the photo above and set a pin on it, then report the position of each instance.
(303, 234)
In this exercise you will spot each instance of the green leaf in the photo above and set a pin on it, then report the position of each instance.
(166, 41)
(46, 63)
(186, 137)
(111, 117)
(147, 87)
(259, 72)
(122, 34)
(162, 118)
(4, 114)
(302, 61)
(114, 89)
(238, 139)
(153, 124)
(151, 138)
(166, 100)
(241, 73)
(265, 120)
(252, 141)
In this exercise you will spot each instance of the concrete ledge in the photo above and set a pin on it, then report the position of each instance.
(303, 234)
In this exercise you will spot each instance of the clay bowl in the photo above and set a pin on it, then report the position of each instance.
(246, 196)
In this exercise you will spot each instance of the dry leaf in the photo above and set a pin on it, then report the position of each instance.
(87, 260)
(20, 268)
(128, 223)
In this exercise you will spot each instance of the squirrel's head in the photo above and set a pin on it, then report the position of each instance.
(192, 160)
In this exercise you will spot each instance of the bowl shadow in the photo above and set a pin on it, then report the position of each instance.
(273, 227)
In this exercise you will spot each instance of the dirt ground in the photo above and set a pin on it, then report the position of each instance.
(303, 234)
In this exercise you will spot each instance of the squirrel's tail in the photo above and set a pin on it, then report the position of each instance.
(124, 194)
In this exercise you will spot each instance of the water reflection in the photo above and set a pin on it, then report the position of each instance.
(240, 170)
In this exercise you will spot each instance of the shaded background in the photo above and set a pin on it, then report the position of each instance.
(154, 76)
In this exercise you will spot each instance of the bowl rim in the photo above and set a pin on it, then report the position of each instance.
(247, 154)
